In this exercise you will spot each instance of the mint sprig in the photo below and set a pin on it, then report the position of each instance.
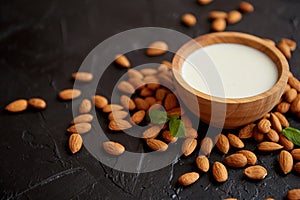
(292, 134)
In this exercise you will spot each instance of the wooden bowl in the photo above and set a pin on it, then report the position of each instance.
(229, 113)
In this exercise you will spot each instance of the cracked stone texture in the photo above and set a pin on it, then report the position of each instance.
(43, 42)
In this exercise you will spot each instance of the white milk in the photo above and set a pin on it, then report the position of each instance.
(243, 71)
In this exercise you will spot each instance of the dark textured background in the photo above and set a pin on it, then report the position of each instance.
(43, 42)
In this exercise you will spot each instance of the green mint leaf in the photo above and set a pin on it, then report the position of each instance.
(157, 117)
(176, 127)
(292, 134)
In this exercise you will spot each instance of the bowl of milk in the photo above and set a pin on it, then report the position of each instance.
(229, 79)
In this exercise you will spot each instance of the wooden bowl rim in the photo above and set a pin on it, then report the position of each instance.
(282, 77)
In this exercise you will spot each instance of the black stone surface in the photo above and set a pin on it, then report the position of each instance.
(43, 42)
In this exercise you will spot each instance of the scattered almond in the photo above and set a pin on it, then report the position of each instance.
(118, 114)
(112, 107)
(219, 172)
(186, 121)
(251, 157)
(269, 146)
(82, 76)
(247, 131)
(275, 123)
(191, 133)
(176, 111)
(206, 145)
(222, 143)
(296, 154)
(290, 43)
(188, 146)
(113, 148)
(160, 94)
(99, 101)
(283, 107)
(122, 60)
(218, 24)
(257, 135)
(151, 100)
(235, 141)
(37, 103)
(264, 125)
(82, 118)
(157, 145)
(135, 74)
(80, 128)
(285, 49)
(294, 83)
(119, 125)
(285, 142)
(236, 160)
(141, 104)
(189, 19)
(138, 116)
(126, 87)
(202, 163)
(127, 102)
(85, 106)
(285, 161)
(293, 194)
(157, 48)
(283, 121)
(75, 142)
(233, 17)
(246, 7)
(170, 101)
(217, 15)
(69, 94)
(256, 172)
(297, 167)
(204, 2)
(295, 105)
(272, 136)
(188, 178)
(291, 95)
(151, 132)
(168, 137)
(148, 71)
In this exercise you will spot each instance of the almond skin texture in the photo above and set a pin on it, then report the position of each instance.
(83, 76)
(283, 121)
(80, 128)
(295, 105)
(82, 118)
(285, 142)
(223, 143)
(276, 125)
(17, 106)
(138, 116)
(251, 157)
(127, 102)
(188, 146)
(293, 194)
(111, 107)
(170, 101)
(151, 100)
(37, 103)
(217, 15)
(160, 94)
(246, 7)
(189, 19)
(219, 172)
(269, 146)
(69, 94)
(264, 125)
(290, 95)
(188, 178)
(297, 167)
(122, 61)
(233, 17)
(146, 92)
(119, 125)
(235, 141)
(85, 106)
(206, 145)
(236, 160)
(191, 133)
(119, 114)
(168, 137)
(141, 104)
(99, 101)
(256, 172)
(296, 154)
(75, 143)
(283, 107)
(126, 87)
(294, 83)
(151, 132)
(202, 163)
(247, 131)
(157, 48)
(113, 148)
(157, 145)
(257, 135)
(272, 136)
(218, 25)
(285, 161)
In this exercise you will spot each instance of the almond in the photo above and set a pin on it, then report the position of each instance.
(122, 60)
(246, 7)
(99, 101)
(293, 194)
(206, 145)
(160, 94)
(133, 73)
(69, 94)
(170, 101)
(287, 88)
(151, 100)
(157, 145)
(297, 167)
(236, 160)
(146, 92)
(119, 124)
(137, 83)
(202, 163)
(148, 71)
(285, 142)
(275, 123)
(285, 161)
(113, 148)
(294, 83)
(283, 121)
(235, 141)
(191, 133)
(118, 114)
(296, 154)
(138, 116)
(188, 146)
(257, 135)
(37, 103)
(204, 2)
(247, 131)
(17, 105)
(256, 172)
(269, 146)
(85, 106)
(176, 111)
(285, 49)
(82, 118)
(188, 178)
(290, 95)
(141, 104)
(112, 107)
(233, 17)
(272, 136)
(189, 19)
(290, 43)
(82, 76)
(219, 172)
(157, 48)
(251, 157)
(217, 15)
(186, 121)
(222, 143)
(268, 41)
(218, 24)
(153, 86)
(75, 142)
(151, 132)
(295, 105)
(264, 125)
(168, 137)
(126, 87)
(127, 102)
(283, 107)
(80, 128)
